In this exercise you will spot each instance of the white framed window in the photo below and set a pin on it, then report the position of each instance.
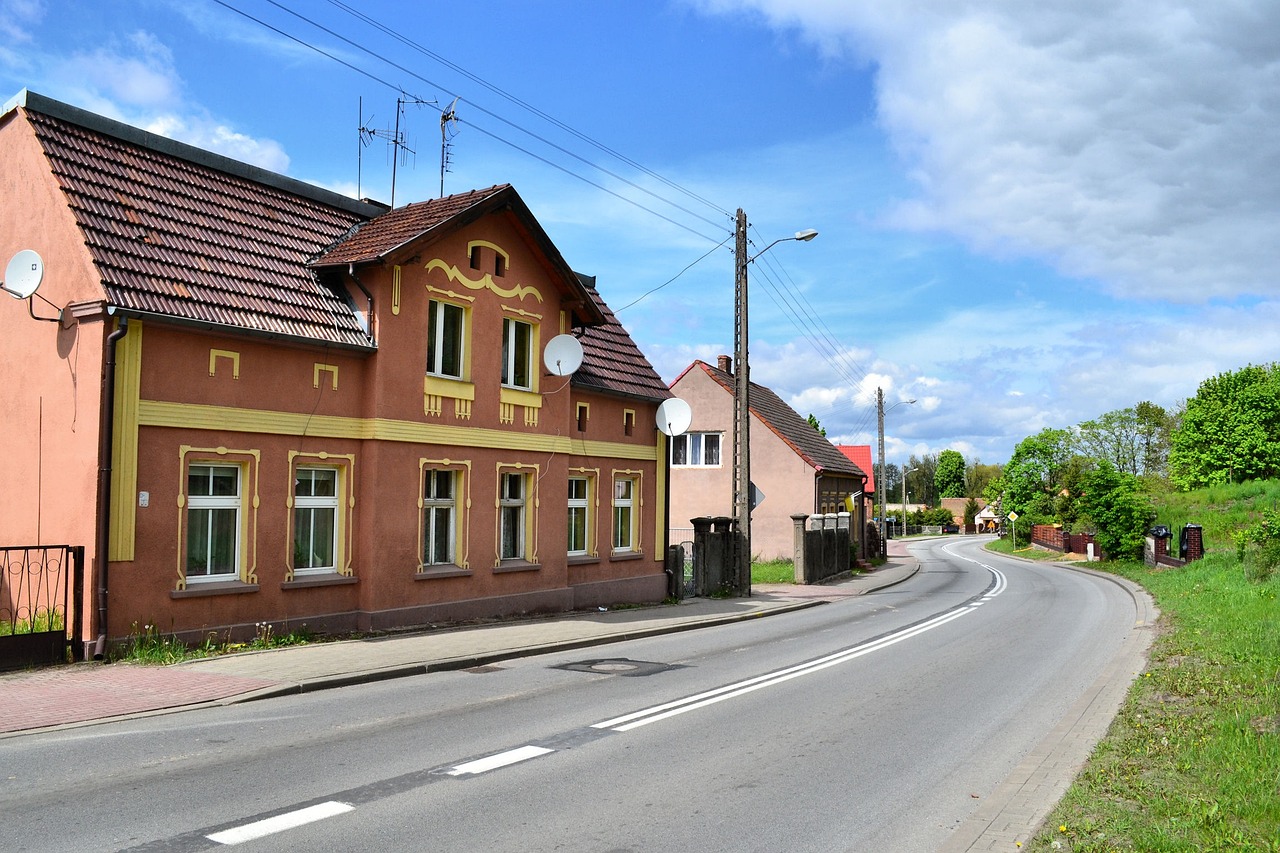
(446, 329)
(517, 354)
(439, 517)
(315, 520)
(213, 523)
(512, 503)
(624, 516)
(579, 516)
(696, 449)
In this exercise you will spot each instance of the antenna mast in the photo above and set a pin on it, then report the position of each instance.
(394, 138)
(448, 129)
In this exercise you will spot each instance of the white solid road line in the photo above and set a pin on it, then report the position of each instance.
(279, 823)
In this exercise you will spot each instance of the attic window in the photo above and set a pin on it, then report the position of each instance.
(499, 265)
(475, 257)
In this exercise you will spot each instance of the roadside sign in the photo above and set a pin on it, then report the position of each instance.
(1013, 516)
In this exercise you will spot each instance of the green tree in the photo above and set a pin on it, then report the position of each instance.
(971, 510)
(920, 482)
(1135, 440)
(948, 479)
(1033, 474)
(1119, 509)
(977, 476)
(813, 422)
(1229, 431)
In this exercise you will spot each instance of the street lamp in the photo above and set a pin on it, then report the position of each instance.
(742, 397)
(882, 486)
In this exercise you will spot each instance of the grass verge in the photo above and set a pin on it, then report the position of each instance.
(1192, 760)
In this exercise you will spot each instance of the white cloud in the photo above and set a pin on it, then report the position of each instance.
(1131, 142)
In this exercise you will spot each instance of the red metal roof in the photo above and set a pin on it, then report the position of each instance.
(860, 455)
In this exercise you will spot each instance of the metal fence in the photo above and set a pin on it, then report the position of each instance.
(40, 588)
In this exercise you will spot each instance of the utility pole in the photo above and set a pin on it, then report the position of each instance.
(882, 485)
(741, 411)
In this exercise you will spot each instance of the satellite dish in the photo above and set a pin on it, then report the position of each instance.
(23, 275)
(563, 355)
(674, 416)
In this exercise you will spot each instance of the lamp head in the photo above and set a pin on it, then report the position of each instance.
(806, 235)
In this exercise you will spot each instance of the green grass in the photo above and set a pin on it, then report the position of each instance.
(45, 621)
(147, 645)
(1192, 760)
(774, 571)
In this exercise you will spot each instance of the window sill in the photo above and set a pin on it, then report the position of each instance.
(617, 556)
(580, 559)
(434, 572)
(304, 581)
(516, 566)
(200, 590)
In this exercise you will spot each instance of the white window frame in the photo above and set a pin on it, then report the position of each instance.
(437, 345)
(512, 514)
(580, 505)
(624, 514)
(201, 503)
(512, 353)
(432, 503)
(695, 445)
(309, 506)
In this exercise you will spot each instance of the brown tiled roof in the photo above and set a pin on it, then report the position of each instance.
(796, 431)
(611, 361)
(380, 237)
(182, 233)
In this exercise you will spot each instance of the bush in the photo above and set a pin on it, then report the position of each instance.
(1258, 546)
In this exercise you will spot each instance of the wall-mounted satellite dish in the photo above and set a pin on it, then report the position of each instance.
(563, 355)
(674, 416)
(23, 275)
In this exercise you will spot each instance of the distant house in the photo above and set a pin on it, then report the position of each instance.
(262, 401)
(860, 455)
(792, 464)
(956, 506)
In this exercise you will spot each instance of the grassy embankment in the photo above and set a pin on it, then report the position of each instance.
(1192, 761)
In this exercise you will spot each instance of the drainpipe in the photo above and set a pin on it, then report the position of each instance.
(106, 435)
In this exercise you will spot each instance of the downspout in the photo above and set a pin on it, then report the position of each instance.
(106, 437)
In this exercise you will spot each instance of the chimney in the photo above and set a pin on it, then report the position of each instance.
(725, 363)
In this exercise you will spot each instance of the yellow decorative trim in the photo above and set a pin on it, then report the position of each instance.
(325, 368)
(432, 405)
(530, 416)
(453, 388)
(531, 505)
(661, 484)
(520, 397)
(462, 519)
(395, 290)
(248, 463)
(462, 409)
(345, 464)
(124, 445)
(521, 312)
(451, 294)
(485, 282)
(506, 258)
(230, 419)
(215, 354)
(506, 413)
(628, 421)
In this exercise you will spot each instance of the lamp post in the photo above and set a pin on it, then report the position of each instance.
(742, 397)
(882, 486)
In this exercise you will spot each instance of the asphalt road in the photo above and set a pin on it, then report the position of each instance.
(875, 723)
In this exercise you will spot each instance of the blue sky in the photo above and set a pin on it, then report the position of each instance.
(1029, 214)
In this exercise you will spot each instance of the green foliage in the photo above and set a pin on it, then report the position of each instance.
(930, 516)
(147, 645)
(774, 571)
(1258, 546)
(1035, 470)
(813, 422)
(1228, 433)
(1135, 440)
(977, 477)
(1118, 509)
(948, 478)
(971, 510)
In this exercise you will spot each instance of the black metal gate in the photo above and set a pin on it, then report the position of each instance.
(40, 594)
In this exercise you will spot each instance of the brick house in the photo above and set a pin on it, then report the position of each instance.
(262, 401)
(792, 464)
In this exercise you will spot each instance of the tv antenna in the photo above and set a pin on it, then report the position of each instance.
(448, 130)
(394, 138)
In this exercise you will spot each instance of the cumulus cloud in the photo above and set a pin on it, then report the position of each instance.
(1128, 142)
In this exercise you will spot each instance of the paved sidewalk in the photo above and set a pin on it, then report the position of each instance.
(91, 692)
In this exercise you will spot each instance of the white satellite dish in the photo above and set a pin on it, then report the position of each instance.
(563, 355)
(23, 275)
(674, 416)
